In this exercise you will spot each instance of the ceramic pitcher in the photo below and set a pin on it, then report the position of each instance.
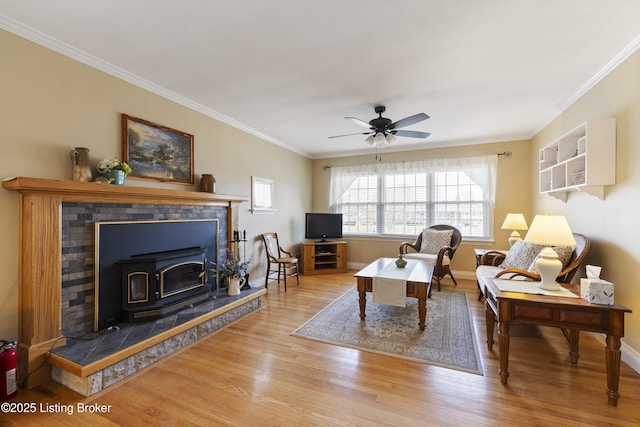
(234, 285)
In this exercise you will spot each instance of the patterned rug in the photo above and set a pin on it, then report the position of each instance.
(448, 339)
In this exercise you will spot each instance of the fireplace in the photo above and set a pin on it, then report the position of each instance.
(158, 284)
(58, 278)
(150, 269)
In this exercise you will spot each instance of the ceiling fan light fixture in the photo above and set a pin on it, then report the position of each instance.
(390, 138)
(369, 139)
(379, 139)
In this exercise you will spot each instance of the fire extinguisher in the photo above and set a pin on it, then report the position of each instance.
(8, 370)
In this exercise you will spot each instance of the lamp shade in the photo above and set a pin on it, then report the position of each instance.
(514, 221)
(550, 230)
(390, 138)
(379, 139)
(369, 139)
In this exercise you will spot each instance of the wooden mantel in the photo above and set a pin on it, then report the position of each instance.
(40, 270)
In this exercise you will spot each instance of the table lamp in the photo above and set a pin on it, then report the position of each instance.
(549, 230)
(515, 222)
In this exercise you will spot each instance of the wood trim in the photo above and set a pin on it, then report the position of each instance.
(75, 191)
(40, 276)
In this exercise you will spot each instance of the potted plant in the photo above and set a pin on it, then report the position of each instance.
(114, 169)
(233, 270)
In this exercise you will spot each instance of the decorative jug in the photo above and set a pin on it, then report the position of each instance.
(81, 166)
(401, 262)
(234, 284)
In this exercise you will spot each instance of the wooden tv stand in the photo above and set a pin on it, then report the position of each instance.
(324, 257)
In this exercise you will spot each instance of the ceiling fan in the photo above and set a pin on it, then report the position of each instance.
(383, 130)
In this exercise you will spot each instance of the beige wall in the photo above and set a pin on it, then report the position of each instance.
(612, 223)
(513, 194)
(51, 103)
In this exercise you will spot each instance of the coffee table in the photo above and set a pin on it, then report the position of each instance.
(418, 284)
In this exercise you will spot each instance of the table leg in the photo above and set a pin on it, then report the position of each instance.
(363, 304)
(613, 368)
(422, 305)
(503, 343)
(490, 318)
(573, 338)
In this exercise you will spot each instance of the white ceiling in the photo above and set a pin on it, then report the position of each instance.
(289, 71)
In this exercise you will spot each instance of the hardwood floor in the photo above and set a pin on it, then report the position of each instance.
(255, 373)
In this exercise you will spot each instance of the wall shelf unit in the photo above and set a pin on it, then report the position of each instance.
(583, 159)
(324, 257)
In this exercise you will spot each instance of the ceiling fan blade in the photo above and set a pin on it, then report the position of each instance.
(349, 134)
(359, 122)
(410, 133)
(408, 121)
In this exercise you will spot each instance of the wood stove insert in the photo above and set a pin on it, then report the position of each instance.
(157, 284)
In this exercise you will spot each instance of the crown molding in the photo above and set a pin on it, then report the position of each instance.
(600, 74)
(69, 51)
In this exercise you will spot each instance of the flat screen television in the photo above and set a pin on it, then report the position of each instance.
(323, 226)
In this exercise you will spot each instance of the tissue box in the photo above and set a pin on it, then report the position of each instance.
(596, 291)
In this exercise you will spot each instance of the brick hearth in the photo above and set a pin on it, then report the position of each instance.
(87, 366)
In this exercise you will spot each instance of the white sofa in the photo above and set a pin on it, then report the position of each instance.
(519, 262)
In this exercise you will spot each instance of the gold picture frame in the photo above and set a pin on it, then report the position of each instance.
(157, 152)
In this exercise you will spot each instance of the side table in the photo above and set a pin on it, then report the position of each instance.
(479, 254)
(572, 315)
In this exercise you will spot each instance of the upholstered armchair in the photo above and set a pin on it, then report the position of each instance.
(438, 243)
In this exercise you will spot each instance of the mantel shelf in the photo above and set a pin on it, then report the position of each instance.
(93, 192)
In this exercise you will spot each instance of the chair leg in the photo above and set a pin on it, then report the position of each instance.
(266, 279)
(452, 278)
(284, 271)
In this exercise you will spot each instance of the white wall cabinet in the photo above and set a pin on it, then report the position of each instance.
(583, 159)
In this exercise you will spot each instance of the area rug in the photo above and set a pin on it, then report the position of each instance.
(448, 339)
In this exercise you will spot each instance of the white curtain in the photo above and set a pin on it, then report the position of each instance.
(481, 169)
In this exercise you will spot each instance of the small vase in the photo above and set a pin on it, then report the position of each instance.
(117, 175)
(81, 166)
(234, 284)
(401, 262)
(207, 183)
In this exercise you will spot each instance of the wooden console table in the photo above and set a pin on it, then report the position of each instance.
(572, 315)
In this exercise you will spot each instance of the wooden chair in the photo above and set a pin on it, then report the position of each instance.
(278, 260)
(443, 257)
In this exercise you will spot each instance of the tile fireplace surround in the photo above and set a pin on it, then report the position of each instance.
(41, 258)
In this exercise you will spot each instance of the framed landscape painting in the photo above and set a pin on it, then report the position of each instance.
(156, 152)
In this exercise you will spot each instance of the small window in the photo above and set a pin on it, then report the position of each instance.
(262, 196)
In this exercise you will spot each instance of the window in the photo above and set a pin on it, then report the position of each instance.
(262, 195)
(404, 198)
